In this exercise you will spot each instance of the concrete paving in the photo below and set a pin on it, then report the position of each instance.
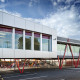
(43, 74)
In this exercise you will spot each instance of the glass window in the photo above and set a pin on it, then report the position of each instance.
(28, 35)
(36, 41)
(18, 39)
(77, 49)
(63, 47)
(59, 47)
(5, 37)
(46, 42)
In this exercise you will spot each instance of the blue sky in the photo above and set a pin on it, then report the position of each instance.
(63, 15)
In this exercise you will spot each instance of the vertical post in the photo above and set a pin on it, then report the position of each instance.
(50, 44)
(13, 39)
(4, 63)
(65, 62)
(32, 41)
(72, 62)
(40, 42)
(10, 63)
(23, 39)
(14, 64)
(13, 43)
(0, 62)
(52, 62)
(60, 62)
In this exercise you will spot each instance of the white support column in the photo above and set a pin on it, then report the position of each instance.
(32, 41)
(13, 38)
(50, 44)
(23, 39)
(40, 42)
(54, 43)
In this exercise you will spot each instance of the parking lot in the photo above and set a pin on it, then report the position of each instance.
(43, 74)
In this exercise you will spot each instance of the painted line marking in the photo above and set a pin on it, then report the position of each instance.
(19, 75)
(34, 78)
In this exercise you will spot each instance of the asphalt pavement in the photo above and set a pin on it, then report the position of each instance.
(43, 74)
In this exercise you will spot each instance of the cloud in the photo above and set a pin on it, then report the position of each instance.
(2, 0)
(13, 13)
(32, 2)
(66, 22)
(3, 5)
(54, 3)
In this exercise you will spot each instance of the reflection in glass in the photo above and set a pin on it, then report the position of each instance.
(5, 37)
(61, 48)
(36, 41)
(28, 40)
(46, 43)
(45, 46)
(18, 39)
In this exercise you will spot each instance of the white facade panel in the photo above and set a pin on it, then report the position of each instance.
(38, 54)
(42, 54)
(1, 52)
(1, 17)
(53, 54)
(19, 22)
(38, 28)
(46, 30)
(29, 25)
(45, 54)
(54, 32)
(8, 19)
(54, 43)
(8, 53)
(19, 53)
(29, 54)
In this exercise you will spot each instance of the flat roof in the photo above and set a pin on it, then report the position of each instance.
(62, 40)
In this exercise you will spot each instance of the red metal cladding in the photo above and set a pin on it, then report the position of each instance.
(18, 31)
(6, 29)
(29, 33)
(45, 36)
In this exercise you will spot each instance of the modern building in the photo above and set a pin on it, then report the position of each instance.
(21, 38)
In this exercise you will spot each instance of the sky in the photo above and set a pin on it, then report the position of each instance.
(62, 15)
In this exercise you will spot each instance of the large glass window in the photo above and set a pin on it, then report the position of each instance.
(5, 37)
(18, 39)
(28, 35)
(46, 44)
(59, 47)
(63, 47)
(36, 41)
